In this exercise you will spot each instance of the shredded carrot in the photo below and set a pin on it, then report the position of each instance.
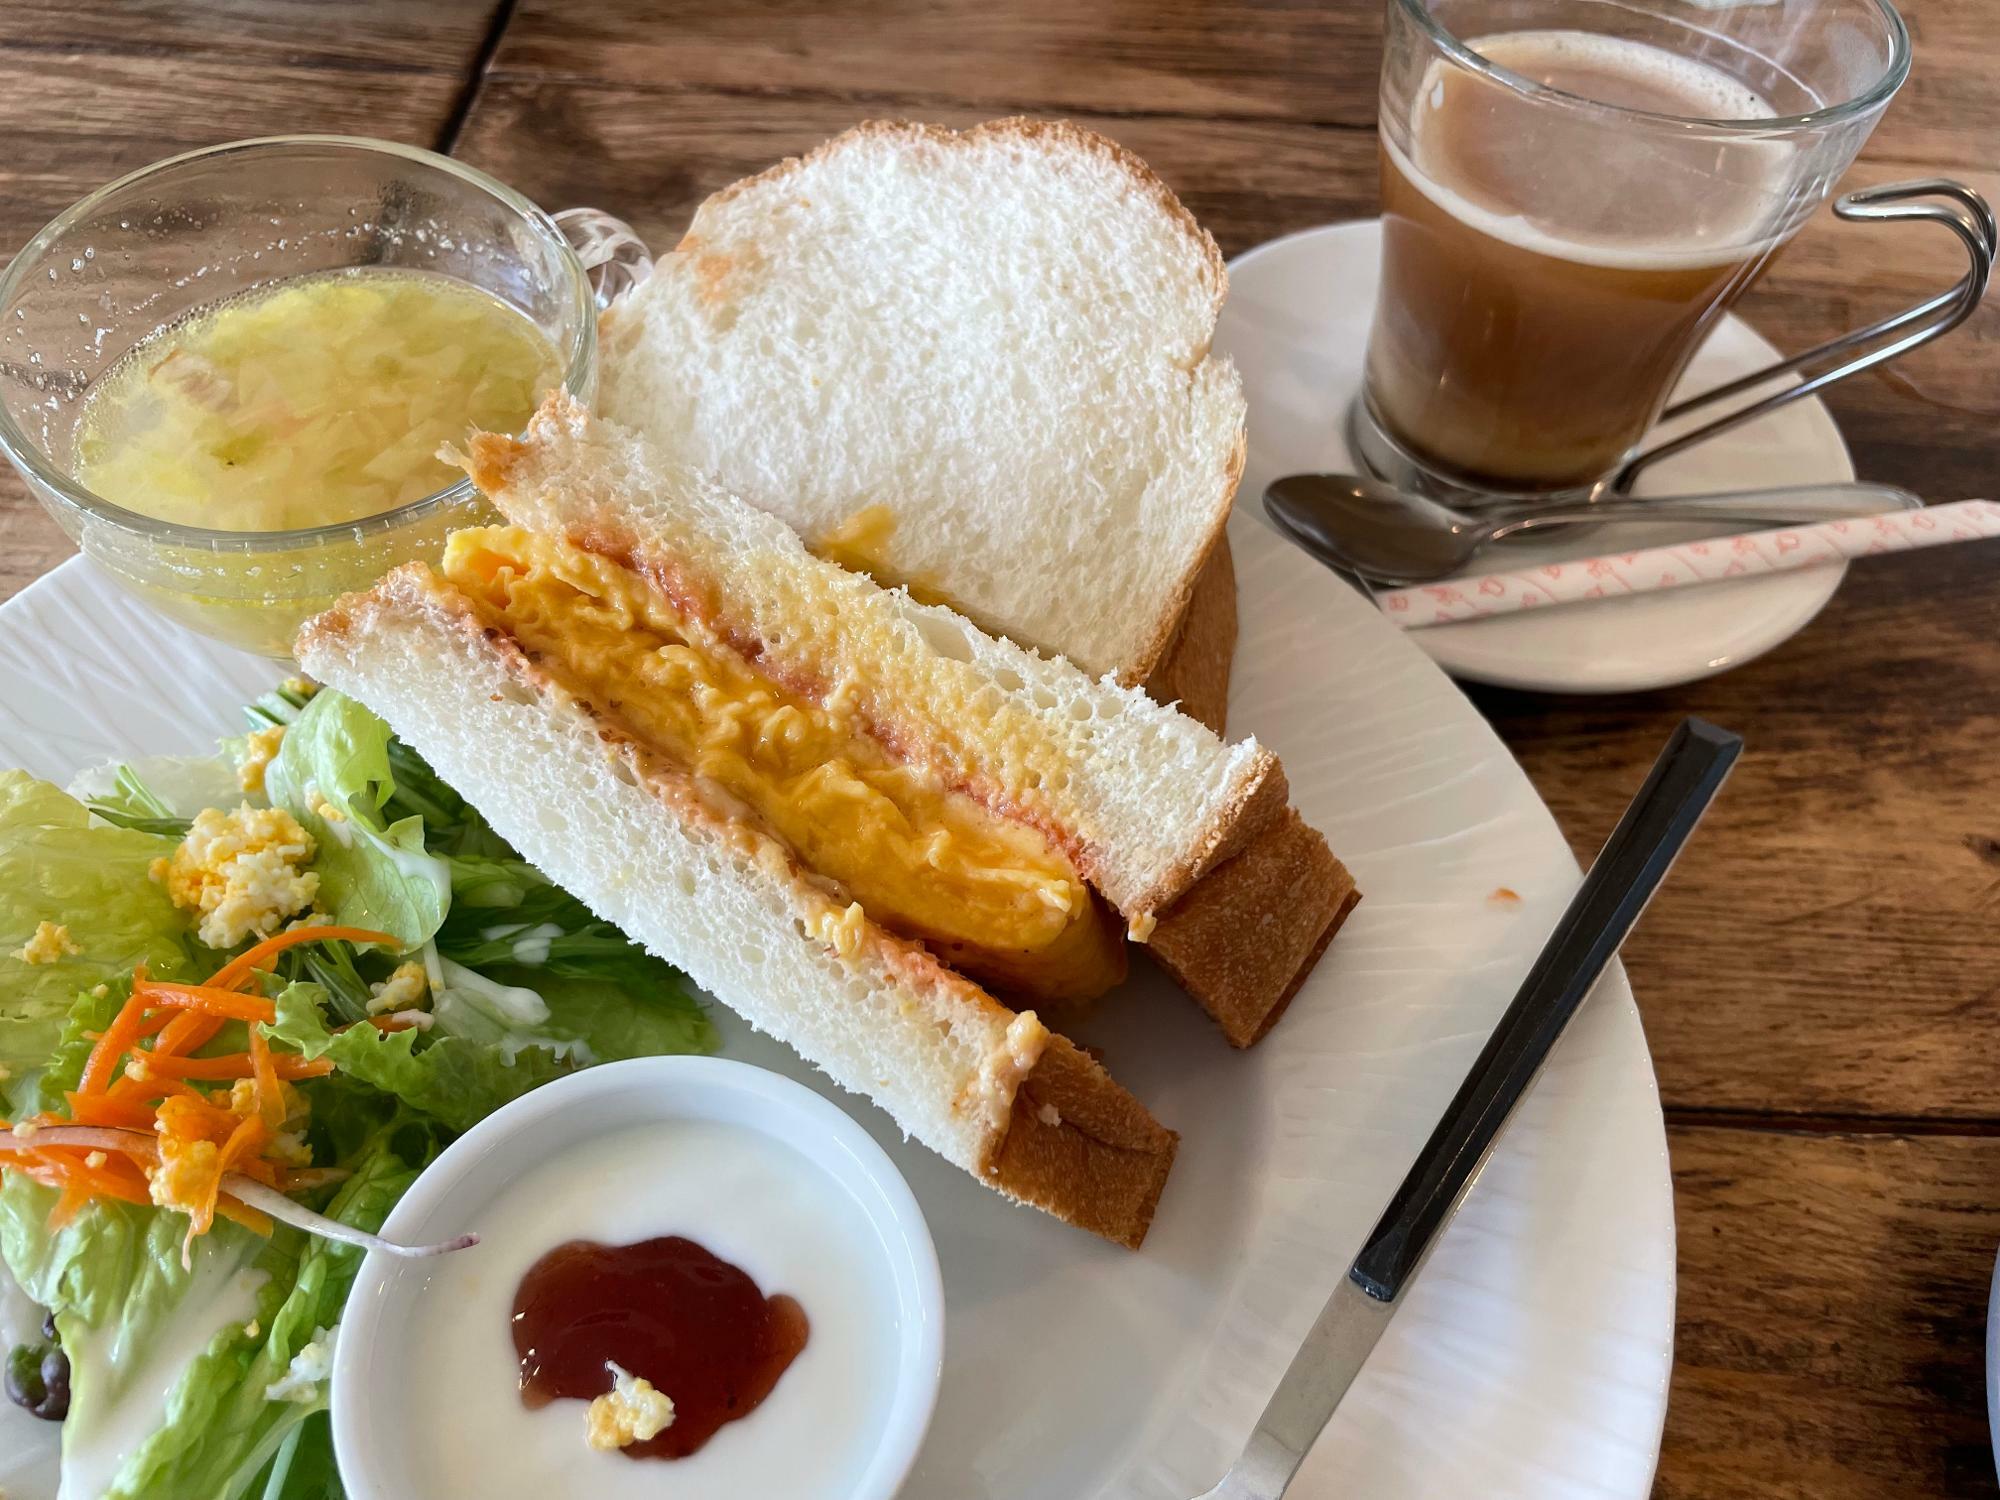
(249, 1134)
(164, 1124)
(120, 1036)
(209, 999)
(73, 1198)
(130, 1090)
(58, 1169)
(187, 1031)
(105, 1179)
(121, 1113)
(253, 1219)
(270, 1104)
(151, 1026)
(246, 1137)
(388, 1023)
(286, 1065)
(232, 974)
(262, 1168)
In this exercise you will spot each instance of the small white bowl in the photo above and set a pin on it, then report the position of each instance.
(371, 1432)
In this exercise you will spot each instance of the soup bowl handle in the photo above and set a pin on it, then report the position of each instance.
(1930, 200)
(613, 255)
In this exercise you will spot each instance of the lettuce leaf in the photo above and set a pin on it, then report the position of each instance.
(303, 1467)
(135, 1324)
(509, 922)
(372, 872)
(223, 1434)
(457, 1080)
(56, 865)
(160, 793)
(170, 1367)
(599, 1022)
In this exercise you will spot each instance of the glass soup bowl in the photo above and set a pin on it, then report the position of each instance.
(198, 229)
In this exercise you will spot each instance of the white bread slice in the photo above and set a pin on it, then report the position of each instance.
(1145, 800)
(645, 846)
(1000, 334)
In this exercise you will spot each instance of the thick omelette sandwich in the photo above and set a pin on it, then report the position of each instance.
(855, 819)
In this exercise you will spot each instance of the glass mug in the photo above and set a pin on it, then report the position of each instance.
(1573, 192)
(191, 231)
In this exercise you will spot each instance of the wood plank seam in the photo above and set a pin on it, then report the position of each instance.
(1783, 1122)
(916, 99)
(476, 73)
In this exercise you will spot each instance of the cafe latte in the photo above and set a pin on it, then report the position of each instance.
(1545, 279)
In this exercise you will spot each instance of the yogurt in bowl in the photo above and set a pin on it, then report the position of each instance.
(726, 1224)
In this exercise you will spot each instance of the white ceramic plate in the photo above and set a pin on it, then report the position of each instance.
(1296, 323)
(1993, 1364)
(1532, 1358)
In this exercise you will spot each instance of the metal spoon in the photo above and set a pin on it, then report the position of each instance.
(1390, 536)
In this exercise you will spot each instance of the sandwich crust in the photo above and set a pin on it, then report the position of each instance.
(1244, 938)
(1083, 1148)
(1194, 672)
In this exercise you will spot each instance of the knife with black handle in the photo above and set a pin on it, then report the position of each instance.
(1626, 873)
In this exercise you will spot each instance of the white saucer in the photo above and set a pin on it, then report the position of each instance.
(1296, 324)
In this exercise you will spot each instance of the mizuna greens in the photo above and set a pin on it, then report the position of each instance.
(330, 1068)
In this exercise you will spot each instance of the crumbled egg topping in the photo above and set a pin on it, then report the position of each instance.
(262, 749)
(402, 990)
(287, 1146)
(241, 872)
(310, 1367)
(243, 1099)
(300, 687)
(844, 929)
(630, 1412)
(186, 1169)
(50, 942)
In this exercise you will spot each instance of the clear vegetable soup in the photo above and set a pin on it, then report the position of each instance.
(310, 402)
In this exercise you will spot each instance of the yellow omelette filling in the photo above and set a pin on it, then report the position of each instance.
(995, 898)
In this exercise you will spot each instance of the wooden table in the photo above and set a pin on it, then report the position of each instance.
(1821, 980)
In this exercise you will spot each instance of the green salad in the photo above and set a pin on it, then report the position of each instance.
(244, 1001)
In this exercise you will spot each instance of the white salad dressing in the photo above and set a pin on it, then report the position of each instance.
(414, 864)
(751, 1200)
(530, 944)
(531, 948)
(222, 1291)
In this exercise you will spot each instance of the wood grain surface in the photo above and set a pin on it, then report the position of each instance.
(1832, 1334)
(1820, 981)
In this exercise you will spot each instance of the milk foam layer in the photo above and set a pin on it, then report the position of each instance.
(1700, 92)
(1757, 168)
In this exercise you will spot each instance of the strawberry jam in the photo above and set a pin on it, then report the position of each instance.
(666, 1310)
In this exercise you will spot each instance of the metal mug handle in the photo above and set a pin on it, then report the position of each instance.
(1963, 212)
(614, 257)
